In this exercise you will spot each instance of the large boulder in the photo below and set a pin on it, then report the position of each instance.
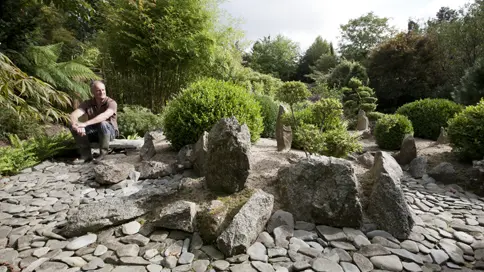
(228, 156)
(179, 215)
(114, 211)
(408, 151)
(199, 154)
(418, 167)
(153, 141)
(388, 209)
(109, 172)
(246, 224)
(444, 172)
(323, 190)
(283, 133)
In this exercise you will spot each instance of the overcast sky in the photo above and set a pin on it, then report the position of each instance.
(304, 20)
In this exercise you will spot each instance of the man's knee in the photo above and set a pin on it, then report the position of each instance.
(107, 129)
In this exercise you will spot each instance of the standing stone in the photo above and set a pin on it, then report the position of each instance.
(283, 133)
(153, 141)
(388, 208)
(228, 157)
(382, 163)
(408, 151)
(247, 224)
(184, 156)
(443, 138)
(362, 121)
(199, 155)
(322, 190)
(210, 220)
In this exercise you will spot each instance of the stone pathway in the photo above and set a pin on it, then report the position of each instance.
(448, 236)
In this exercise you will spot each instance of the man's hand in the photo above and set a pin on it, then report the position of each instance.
(79, 128)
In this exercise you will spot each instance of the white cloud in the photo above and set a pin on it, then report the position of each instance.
(304, 20)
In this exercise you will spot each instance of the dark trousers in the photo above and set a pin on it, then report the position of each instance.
(101, 133)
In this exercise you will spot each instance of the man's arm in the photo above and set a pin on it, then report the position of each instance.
(74, 117)
(98, 119)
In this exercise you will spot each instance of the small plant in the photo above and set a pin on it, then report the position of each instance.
(391, 129)
(466, 132)
(269, 111)
(429, 115)
(199, 107)
(137, 120)
(292, 93)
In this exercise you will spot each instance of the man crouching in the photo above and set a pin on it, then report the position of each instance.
(101, 126)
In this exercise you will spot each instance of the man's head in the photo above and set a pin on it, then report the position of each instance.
(98, 90)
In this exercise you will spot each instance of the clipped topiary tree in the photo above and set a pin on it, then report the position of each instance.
(269, 111)
(358, 97)
(292, 93)
(390, 130)
(466, 132)
(341, 75)
(429, 115)
(199, 107)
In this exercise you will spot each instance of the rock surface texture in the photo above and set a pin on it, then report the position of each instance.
(322, 190)
(228, 156)
(447, 235)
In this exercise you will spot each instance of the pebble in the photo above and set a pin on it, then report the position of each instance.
(131, 227)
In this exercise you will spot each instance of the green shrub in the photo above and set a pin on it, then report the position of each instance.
(327, 113)
(390, 130)
(466, 132)
(374, 116)
(269, 111)
(428, 115)
(335, 143)
(344, 71)
(199, 107)
(137, 120)
(22, 154)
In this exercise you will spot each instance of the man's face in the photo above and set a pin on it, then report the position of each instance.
(99, 91)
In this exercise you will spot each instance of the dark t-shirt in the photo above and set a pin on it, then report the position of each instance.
(91, 109)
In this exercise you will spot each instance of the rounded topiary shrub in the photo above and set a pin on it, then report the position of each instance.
(391, 129)
(428, 115)
(199, 107)
(269, 111)
(466, 132)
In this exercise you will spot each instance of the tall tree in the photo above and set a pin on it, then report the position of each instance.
(277, 57)
(362, 34)
(152, 51)
(319, 48)
(406, 68)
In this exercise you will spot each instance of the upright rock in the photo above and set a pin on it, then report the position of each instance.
(384, 199)
(246, 224)
(199, 155)
(108, 172)
(184, 156)
(418, 167)
(211, 219)
(323, 190)
(443, 138)
(362, 121)
(408, 150)
(283, 133)
(478, 171)
(153, 140)
(228, 156)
